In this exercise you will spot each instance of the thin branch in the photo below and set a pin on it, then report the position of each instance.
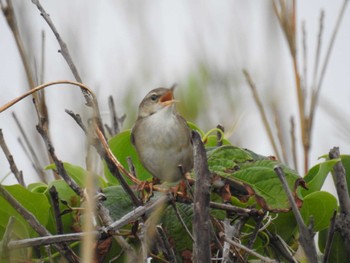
(59, 165)
(294, 143)
(248, 250)
(77, 119)
(326, 62)
(167, 249)
(317, 58)
(64, 50)
(18, 174)
(255, 233)
(240, 211)
(258, 102)
(56, 209)
(329, 241)
(306, 234)
(137, 213)
(305, 64)
(115, 121)
(280, 137)
(201, 218)
(33, 157)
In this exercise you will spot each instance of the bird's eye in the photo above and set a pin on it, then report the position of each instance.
(154, 97)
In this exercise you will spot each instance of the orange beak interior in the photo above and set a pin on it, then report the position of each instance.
(167, 98)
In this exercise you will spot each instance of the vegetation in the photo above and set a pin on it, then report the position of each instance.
(236, 205)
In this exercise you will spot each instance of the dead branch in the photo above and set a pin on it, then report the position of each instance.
(18, 174)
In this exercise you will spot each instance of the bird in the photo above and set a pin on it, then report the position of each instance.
(161, 136)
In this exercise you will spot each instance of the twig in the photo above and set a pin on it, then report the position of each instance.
(294, 143)
(280, 137)
(77, 119)
(43, 86)
(280, 245)
(317, 58)
(131, 166)
(12, 22)
(115, 121)
(18, 174)
(56, 209)
(306, 234)
(240, 211)
(167, 249)
(305, 64)
(33, 157)
(136, 213)
(7, 237)
(201, 218)
(47, 240)
(329, 241)
(262, 112)
(64, 50)
(35, 224)
(255, 233)
(182, 222)
(287, 17)
(59, 165)
(248, 250)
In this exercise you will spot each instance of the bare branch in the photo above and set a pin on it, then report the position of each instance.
(201, 218)
(18, 174)
(329, 241)
(248, 250)
(35, 160)
(306, 235)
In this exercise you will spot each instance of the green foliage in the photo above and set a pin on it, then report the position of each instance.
(250, 177)
(256, 174)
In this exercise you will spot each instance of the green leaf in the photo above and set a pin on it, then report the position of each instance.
(320, 205)
(78, 174)
(175, 229)
(317, 175)
(338, 250)
(122, 148)
(117, 201)
(240, 168)
(36, 203)
(285, 226)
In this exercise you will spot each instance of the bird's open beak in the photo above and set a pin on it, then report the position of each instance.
(168, 98)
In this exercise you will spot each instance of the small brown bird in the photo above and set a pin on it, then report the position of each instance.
(162, 137)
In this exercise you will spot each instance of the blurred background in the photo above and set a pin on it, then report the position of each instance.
(127, 48)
